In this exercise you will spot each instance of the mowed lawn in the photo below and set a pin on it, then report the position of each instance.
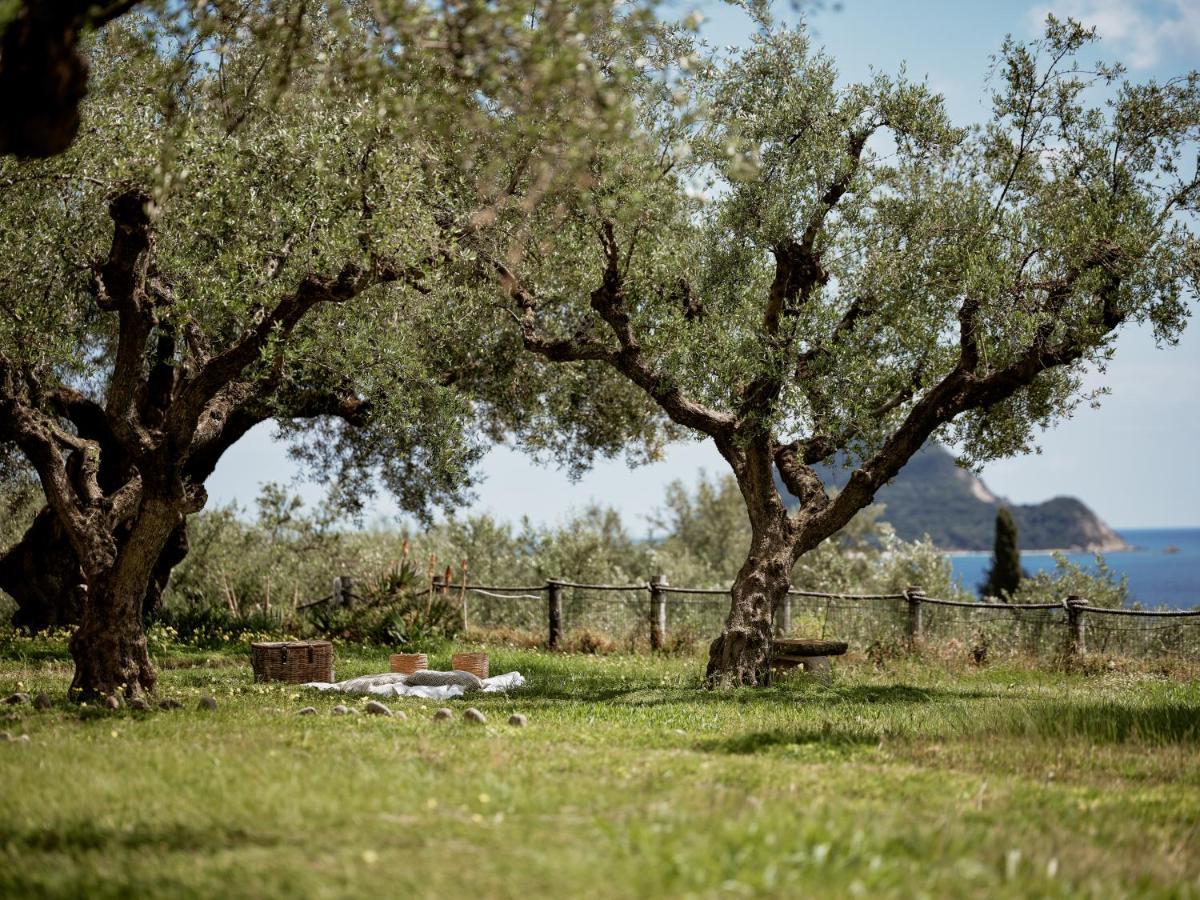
(628, 781)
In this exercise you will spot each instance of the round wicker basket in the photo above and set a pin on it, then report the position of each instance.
(293, 662)
(407, 663)
(475, 663)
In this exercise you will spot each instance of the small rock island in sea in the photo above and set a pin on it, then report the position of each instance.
(933, 495)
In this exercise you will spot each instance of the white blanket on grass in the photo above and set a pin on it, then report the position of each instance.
(392, 684)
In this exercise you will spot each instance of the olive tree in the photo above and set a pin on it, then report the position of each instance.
(799, 268)
(216, 254)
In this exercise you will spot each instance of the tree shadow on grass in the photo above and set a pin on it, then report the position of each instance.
(807, 693)
(1102, 722)
(906, 693)
(761, 741)
(85, 836)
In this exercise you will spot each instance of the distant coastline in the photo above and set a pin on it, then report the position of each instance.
(1122, 547)
(1161, 564)
(1064, 550)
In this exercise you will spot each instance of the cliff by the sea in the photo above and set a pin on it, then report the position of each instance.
(933, 495)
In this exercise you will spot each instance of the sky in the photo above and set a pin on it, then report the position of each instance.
(1134, 460)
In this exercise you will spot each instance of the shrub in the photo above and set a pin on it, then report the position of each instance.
(1101, 587)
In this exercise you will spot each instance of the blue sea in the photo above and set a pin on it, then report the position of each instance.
(1163, 568)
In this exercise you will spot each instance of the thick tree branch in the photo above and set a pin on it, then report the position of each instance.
(798, 273)
(799, 477)
(798, 268)
(968, 315)
(247, 405)
(85, 414)
(217, 372)
(609, 302)
(43, 76)
(121, 285)
(960, 391)
(39, 440)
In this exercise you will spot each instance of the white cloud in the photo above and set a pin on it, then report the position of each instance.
(1144, 31)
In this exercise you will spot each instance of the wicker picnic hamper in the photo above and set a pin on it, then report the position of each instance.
(407, 663)
(475, 663)
(294, 662)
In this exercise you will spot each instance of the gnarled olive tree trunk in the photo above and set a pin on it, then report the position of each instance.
(741, 654)
(41, 572)
(109, 647)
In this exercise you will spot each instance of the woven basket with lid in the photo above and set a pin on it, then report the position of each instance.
(292, 662)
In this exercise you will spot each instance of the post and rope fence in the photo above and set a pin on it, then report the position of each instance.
(554, 613)
(658, 612)
(913, 597)
(1076, 635)
(911, 617)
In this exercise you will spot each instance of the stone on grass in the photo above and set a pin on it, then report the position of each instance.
(442, 713)
(42, 701)
(138, 703)
(22, 739)
(207, 702)
(341, 710)
(112, 701)
(517, 720)
(375, 708)
(169, 703)
(308, 711)
(14, 699)
(5, 737)
(471, 714)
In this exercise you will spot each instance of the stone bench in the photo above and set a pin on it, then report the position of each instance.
(811, 653)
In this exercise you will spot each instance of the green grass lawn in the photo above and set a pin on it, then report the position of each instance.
(628, 781)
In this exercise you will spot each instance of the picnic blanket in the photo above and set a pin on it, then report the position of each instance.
(394, 684)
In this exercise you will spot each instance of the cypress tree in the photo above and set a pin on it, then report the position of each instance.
(1004, 575)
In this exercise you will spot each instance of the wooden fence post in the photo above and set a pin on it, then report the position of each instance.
(343, 587)
(462, 595)
(1076, 634)
(916, 625)
(554, 613)
(658, 612)
(783, 625)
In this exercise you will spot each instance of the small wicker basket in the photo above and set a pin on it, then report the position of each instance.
(293, 662)
(407, 663)
(475, 663)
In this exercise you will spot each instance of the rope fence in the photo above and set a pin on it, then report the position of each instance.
(667, 615)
